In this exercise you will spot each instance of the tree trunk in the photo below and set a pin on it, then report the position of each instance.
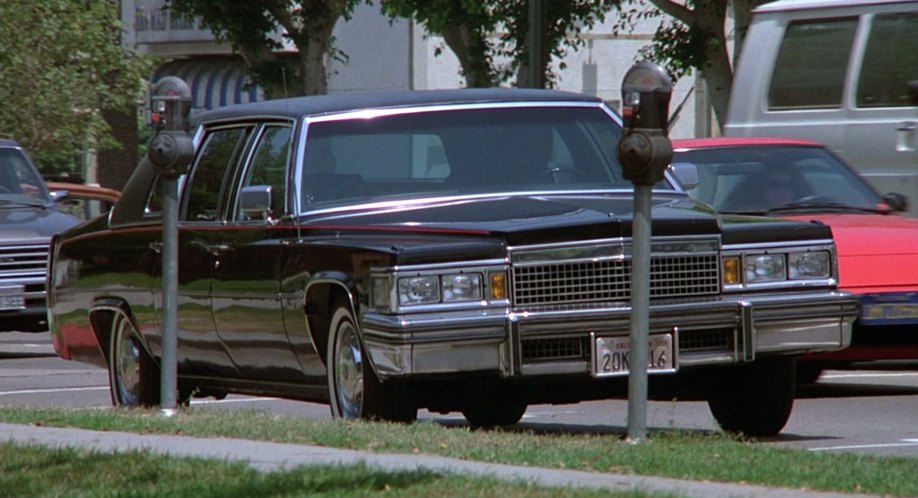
(471, 48)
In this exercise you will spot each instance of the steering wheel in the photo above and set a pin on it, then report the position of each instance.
(554, 174)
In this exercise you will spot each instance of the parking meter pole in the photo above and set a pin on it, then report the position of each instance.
(640, 313)
(644, 152)
(171, 151)
(169, 364)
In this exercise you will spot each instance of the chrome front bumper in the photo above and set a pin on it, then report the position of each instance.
(555, 342)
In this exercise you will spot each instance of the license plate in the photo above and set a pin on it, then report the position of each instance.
(12, 298)
(612, 355)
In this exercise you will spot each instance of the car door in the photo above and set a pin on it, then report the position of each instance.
(249, 256)
(201, 352)
(881, 137)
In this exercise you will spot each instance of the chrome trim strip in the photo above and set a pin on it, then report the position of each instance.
(747, 331)
(790, 245)
(421, 108)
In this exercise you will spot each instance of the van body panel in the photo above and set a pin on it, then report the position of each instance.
(879, 140)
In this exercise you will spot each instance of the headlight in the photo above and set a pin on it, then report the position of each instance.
(461, 287)
(419, 290)
(765, 268)
(804, 265)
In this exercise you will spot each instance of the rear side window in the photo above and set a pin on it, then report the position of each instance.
(208, 178)
(810, 69)
(890, 61)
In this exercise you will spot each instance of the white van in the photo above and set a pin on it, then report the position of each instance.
(842, 72)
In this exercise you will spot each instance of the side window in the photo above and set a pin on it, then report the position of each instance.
(890, 61)
(269, 166)
(811, 65)
(205, 190)
(154, 207)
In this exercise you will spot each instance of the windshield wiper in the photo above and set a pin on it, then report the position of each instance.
(21, 202)
(823, 205)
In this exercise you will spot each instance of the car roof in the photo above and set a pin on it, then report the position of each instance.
(6, 142)
(80, 190)
(298, 107)
(782, 5)
(698, 143)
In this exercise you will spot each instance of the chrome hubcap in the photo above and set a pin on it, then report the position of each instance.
(127, 375)
(348, 372)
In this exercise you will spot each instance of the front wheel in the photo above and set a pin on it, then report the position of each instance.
(354, 390)
(133, 376)
(755, 399)
(494, 413)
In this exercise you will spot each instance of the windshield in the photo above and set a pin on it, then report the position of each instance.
(770, 178)
(19, 181)
(459, 152)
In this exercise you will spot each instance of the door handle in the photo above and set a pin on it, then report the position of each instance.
(218, 249)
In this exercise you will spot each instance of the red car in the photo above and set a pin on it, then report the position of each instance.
(796, 179)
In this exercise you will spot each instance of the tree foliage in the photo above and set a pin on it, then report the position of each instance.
(489, 36)
(63, 65)
(255, 28)
(692, 34)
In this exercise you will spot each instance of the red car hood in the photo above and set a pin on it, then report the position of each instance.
(876, 253)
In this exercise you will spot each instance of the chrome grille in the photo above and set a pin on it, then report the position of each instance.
(597, 280)
(555, 348)
(706, 340)
(23, 262)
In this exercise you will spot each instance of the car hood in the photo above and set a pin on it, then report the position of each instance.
(875, 252)
(30, 224)
(523, 219)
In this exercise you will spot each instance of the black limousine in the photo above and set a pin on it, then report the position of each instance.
(455, 250)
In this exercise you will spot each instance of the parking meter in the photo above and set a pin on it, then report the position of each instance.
(644, 150)
(171, 149)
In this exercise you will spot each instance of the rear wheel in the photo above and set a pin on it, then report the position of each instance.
(755, 399)
(354, 390)
(493, 413)
(133, 376)
(808, 373)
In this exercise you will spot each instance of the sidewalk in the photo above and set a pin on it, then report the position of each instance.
(267, 457)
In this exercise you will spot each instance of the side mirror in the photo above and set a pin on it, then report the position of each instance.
(896, 202)
(59, 195)
(255, 202)
(686, 174)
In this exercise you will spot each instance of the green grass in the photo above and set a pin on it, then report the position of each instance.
(672, 453)
(32, 471)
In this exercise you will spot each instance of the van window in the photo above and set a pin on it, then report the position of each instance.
(890, 61)
(810, 69)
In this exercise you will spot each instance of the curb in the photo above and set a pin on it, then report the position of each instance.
(268, 457)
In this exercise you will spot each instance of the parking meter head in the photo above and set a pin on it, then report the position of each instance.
(170, 104)
(646, 92)
(171, 149)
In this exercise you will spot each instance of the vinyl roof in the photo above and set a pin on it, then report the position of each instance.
(782, 5)
(329, 104)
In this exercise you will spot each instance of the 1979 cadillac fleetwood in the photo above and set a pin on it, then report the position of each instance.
(462, 250)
